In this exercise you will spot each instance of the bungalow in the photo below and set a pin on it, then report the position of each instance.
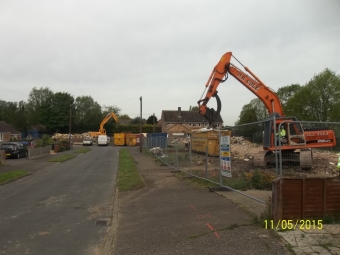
(8, 133)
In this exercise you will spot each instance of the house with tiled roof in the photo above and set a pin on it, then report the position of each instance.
(8, 133)
(181, 123)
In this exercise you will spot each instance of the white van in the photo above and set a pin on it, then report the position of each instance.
(103, 140)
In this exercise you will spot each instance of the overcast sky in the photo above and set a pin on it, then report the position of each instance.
(164, 51)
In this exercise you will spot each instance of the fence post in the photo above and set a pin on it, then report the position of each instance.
(190, 156)
(166, 149)
(176, 153)
(219, 155)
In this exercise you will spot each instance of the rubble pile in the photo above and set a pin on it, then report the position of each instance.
(157, 151)
(324, 161)
(179, 141)
(240, 140)
(66, 136)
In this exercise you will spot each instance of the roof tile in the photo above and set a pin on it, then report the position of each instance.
(5, 128)
(185, 117)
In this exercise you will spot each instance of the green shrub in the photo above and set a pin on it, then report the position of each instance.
(44, 141)
(260, 180)
(64, 144)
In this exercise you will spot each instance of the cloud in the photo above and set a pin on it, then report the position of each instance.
(163, 51)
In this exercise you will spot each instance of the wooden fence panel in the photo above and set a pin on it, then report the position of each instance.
(333, 197)
(291, 199)
(314, 198)
(38, 152)
(305, 198)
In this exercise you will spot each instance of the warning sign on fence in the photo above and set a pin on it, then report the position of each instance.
(225, 160)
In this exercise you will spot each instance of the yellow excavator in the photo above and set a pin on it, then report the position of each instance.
(102, 131)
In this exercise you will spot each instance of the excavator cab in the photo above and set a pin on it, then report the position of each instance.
(293, 138)
(296, 135)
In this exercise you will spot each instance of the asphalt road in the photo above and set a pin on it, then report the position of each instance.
(62, 209)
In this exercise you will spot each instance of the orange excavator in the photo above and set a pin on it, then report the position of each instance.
(102, 131)
(297, 143)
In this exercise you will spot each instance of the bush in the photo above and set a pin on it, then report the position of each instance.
(44, 141)
(260, 180)
(64, 144)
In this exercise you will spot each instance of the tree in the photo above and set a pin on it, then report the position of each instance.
(260, 110)
(21, 121)
(14, 114)
(248, 115)
(36, 99)
(136, 120)
(111, 108)
(285, 94)
(318, 99)
(151, 120)
(56, 112)
(124, 117)
(252, 112)
(193, 108)
(88, 114)
(8, 112)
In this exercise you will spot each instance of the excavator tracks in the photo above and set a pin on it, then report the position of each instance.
(306, 159)
(260, 158)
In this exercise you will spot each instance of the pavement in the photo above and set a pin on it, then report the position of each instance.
(167, 194)
(172, 216)
(325, 241)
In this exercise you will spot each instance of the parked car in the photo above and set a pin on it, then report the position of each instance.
(87, 141)
(14, 149)
(28, 143)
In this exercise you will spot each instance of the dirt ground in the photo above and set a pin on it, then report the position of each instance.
(324, 162)
(242, 160)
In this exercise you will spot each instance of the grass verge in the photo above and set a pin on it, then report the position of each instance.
(9, 176)
(69, 156)
(82, 150)
(128, 175)
(62, 158)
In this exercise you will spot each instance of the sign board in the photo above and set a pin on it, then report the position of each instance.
(225, 159)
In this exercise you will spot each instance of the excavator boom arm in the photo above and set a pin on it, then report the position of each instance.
(106, 119)
(264, 93)
(251, 82)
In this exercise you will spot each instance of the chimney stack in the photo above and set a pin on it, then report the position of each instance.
(179, 112)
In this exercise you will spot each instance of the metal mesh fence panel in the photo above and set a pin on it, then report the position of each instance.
(255, 149)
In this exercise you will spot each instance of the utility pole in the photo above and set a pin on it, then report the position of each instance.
(153, 123)
(140, 127)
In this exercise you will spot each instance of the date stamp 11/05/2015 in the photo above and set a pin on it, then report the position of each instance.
(293, 224)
